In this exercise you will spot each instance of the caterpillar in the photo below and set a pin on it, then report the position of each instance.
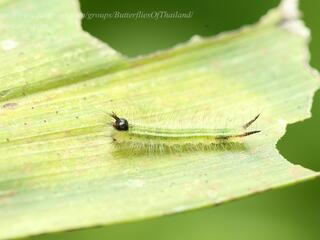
(142, 137)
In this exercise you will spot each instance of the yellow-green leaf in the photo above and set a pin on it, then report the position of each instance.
(58, 167)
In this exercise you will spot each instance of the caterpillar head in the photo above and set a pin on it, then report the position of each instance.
(120, 124)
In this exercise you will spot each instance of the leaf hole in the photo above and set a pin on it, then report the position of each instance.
(300, 144)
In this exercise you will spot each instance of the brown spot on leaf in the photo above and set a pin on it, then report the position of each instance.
(10, 105)
(5, 196)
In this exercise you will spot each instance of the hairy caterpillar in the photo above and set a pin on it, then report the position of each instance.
(135, 136)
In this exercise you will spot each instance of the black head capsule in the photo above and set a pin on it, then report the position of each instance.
(120, 124)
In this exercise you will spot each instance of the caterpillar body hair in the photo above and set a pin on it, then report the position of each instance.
(149, 138)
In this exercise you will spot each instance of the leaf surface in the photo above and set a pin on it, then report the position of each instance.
(58, 166)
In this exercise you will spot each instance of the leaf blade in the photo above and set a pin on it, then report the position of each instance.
(57, 159)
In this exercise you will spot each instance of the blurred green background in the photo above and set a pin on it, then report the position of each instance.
(288, 213)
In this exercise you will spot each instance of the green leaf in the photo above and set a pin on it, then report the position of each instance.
(58, 167)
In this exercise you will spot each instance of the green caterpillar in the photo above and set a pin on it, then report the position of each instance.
(125, 133)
